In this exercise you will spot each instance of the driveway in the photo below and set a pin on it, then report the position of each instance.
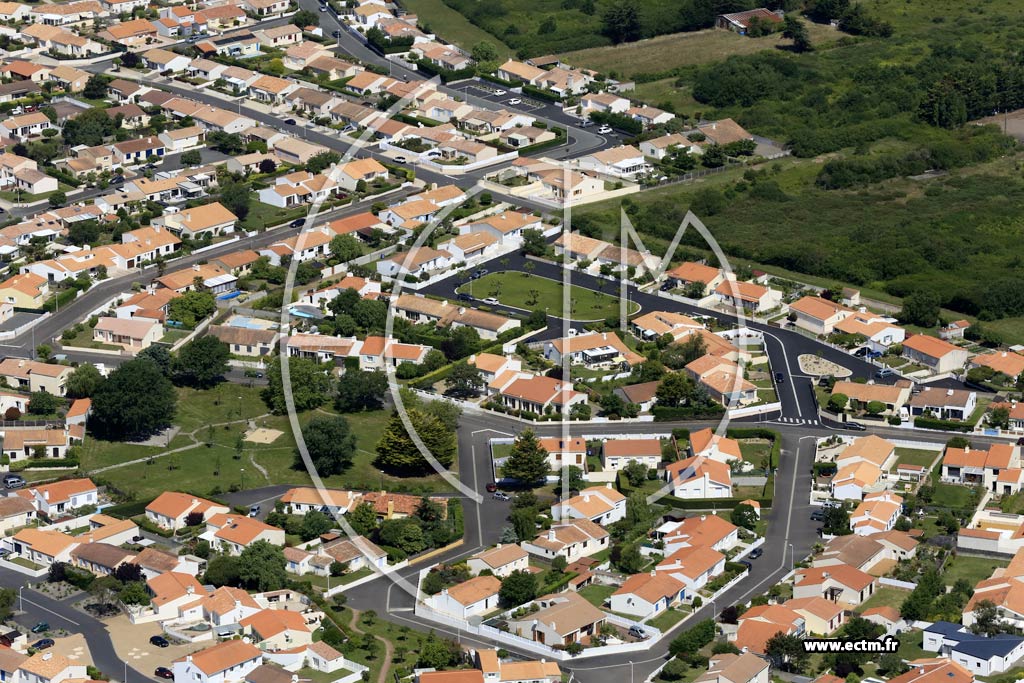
(264, 496)
(131, 642)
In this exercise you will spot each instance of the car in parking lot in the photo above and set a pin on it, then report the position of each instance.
(14, 481)
(163, 671)
(491, 301)
(41, 627)
(604, 130)
(756, 553)
(500, 93)
(514, 101)
(42, 644)
(499, 495)
(159, 641)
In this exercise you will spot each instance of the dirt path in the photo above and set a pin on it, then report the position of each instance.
(389, 650)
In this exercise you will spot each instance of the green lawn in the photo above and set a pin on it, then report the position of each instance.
(533, 293)
(950, 495)
(885, 596)
(452, 26)
(25, 563)
(596, 593)
(667, 619)
(915, 456)
(910, 646)
(755, 450)
(974, 569)
(84, 340)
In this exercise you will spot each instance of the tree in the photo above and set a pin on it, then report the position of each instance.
(986, 619)
(361, 390)
(396, 450)
(321, 161)
(875, 408)
(621, 23)
(7, 598)
(484, 51)
(638, 511)
(891, 665)
(630, 560)
(89, 128)
(331, 445)
(636, 473)
(438, 653)
(58, 199)
(310, 385)
(612, 405)
(201, 362)
(228, 143)
(508, 535)
(362, 519)
(304, 18)
(674, 670)
(262, 566)
(920, 308)
(191, 307)
(84, 232)
(559, 564)
(836, 521)
(104, 589)
(236, 197)
(534, 243)
(345, 248)
(673, 390)
(999, 417)
(83, 381)
(314, 523)
(796, 30)
(191, 158)
(517, 588)
(134, 402)
(837, 402)
(134, 593)
(464, 381)
(524, 521)
(787, 652)
(127, 572)
(159, 356)
(433, 583)
(694, 639)
(223, 570)
(527, 462)
(744, 515)
(95, 88)
(43, 403)
(404, 534)
(713, 156)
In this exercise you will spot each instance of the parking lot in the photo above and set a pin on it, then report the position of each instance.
(490, 93)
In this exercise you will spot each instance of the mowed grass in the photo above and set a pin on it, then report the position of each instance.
(596, 593)
(915, 456)
(452, 26)
(541, 294)
(973, 569)
(659, 54)
(885, 596)
(948, 495)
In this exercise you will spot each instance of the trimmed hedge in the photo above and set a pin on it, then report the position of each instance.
(698, 503)
(556, 586)
(43, 463)
(925, 422)
(498, 81)
(541, 93)
(671, 413)
(128, 510)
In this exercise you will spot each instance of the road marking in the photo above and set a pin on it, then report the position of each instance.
(45, 609)
(785, 356)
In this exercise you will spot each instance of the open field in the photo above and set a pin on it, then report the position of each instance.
(682, 49)
(441, 19)
(541, 294)
(974, 569)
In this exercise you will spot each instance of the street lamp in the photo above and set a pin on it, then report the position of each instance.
(631, 671)
(242, 470)
(792, 558)
(21, 600)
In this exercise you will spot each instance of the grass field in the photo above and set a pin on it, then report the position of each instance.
(682, 49)
(667, 619)
(885, 596)
(949, 495)
(541, 294)
(441, 19)
(596, 593)
(974, 569)
(915, 456)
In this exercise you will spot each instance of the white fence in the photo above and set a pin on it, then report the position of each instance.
(754, 410)
(359, 582)
(896, 583)
(11, 334)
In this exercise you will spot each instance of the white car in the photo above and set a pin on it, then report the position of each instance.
(514, 101)
(499, 93)
(604, 130)
(491, 301)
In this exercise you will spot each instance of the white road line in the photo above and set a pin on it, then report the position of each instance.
(785, 355)
(56, 614)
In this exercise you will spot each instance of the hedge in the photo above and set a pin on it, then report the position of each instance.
(147, 524)
(43, 463)
(456, 515)
(925, 422)
(128, 510)
(446, 75)
(541, 93)
(557, 586)
(671, 413)
(765, 501)
(499, 81)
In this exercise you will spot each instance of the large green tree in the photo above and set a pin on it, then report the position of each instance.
(397, 451)
(517, 588)
(261, 566)
(191, 307)
(83, 381)
(361, 390)
(331, 445)
(527, 462)
(135, 402)
(201, 362)
(310, 385)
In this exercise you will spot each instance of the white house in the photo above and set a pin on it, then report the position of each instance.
(501, 560)
(647, 595)
(600, 504)
(227, 662)
(699, 477)
(479, 595)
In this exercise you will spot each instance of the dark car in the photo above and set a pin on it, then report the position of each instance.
(290, 122)
(666, 286)
(855, 426)
(491, 487)
(40, 627)
(297, 223)
(159, 641)
(163, 672)
(779, 378)
(335, 33)
(465, 297)
(818, 516)
(42, 644)
(756, 553)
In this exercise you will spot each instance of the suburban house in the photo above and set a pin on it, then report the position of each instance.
(478, 595)
(705, 443)
(723, 380)
(564, 618)
(31, 375)
(233, 533)
(838, 583)
(694, 566)
(731, 668)
(602, 505)
(751, 297)
(171, 510)
(879, 511)
(699, 477)
(648, 594)
(597, 350)
(893, 397)
(572, 540)
(62, 496)
(944, 404)
(690, 272)
(132, 334)
(740, 22)
(761, 622)
(540, 394)
(501, 560)
(564, 452)
(617, 453)
(625, 161)
(227, 662)
(817, 315)
(1009, 363)
(939, 355)
(973, 466)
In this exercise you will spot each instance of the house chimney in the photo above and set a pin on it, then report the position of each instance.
(551, 534)
(586, 497)
(47, 656)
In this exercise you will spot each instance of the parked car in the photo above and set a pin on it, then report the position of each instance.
(500, 93)
(637, 631)
(254, 510)
(164, 672)
(756, 553)
(297, 223)
(336, 33)
(604, 130)
(14, 481)
(401, 160)
(491, 487)
(818, 516)
(41, 627)
(159, 641)
(482, 272)
(499, 495)
(746, 563)
(666, 286)
(855, 426)
(779, 378)
(491, 301)
(514, 101)
(586, 123)
(885, 372)
(42, 644)
(465, 297)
